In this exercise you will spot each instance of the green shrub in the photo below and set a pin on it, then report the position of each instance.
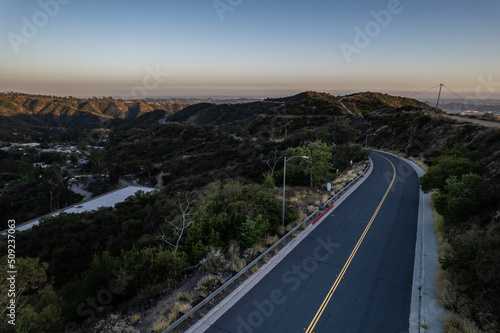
(253, 230)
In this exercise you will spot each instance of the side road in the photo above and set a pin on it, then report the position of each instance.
(426, 314)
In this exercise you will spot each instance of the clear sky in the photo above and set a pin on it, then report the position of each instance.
(173, 48)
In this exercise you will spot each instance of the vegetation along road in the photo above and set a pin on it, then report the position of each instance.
(353, 273)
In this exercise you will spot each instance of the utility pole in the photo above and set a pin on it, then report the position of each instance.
(366, 139)
(439, 96)
(284, 178)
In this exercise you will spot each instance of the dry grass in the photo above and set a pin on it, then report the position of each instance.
(254, 269)
(270, 240)
(112, 323)
(457, 324)
(134, 319)
(238, 266)
(160, 324)
(181, 308)
(446, 294)
(259, 247)
(172, 317)
(234, 251)
(419, 162)
(184, 296)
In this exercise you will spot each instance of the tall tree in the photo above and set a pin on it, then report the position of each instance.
(318, 163)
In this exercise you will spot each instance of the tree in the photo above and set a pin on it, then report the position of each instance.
(253, 230)
(318, 163)
(448, 166)
(54, 182)
(178, 227)
(345, 153)
(97, 160)
(465, 197)
(272, 160)
(38, 308)
(43, 315)
(31, 276)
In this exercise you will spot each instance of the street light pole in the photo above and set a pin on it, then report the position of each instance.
(366, 139)
(284, 178)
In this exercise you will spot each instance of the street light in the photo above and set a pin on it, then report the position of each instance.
(284, 177)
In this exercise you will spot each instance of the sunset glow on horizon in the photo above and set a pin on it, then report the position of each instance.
(247, 48)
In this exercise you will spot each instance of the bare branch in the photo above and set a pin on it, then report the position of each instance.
(180, 227)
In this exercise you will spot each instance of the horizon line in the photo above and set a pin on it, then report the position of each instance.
(254, 96)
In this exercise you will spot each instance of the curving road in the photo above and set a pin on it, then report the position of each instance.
(352, 273)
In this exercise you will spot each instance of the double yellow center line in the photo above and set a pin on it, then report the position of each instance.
(353, 253)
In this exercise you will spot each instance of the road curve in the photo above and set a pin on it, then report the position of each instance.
(352, 273)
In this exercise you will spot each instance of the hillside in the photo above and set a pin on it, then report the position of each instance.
(305, 110)
(225, 161)
(40, 113)
(367, 102)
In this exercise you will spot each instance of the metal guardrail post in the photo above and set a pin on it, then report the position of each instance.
(255, 261)
(234, 278)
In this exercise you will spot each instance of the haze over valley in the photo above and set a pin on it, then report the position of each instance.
(249, 166)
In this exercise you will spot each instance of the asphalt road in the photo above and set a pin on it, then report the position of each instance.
(106, 200)
(353, 272)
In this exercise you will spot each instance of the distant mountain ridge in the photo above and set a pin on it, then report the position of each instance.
(198, 100)
(306, 104)
(26, 112)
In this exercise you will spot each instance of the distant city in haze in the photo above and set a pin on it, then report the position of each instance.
(248, 48)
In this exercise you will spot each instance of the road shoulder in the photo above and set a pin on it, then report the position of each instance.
(426, 314)
(218, 311)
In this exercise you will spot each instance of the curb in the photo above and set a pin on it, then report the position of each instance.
(218, 311)
(426, 314)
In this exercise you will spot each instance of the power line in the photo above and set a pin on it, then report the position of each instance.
(439, 96)
(424, 91)
(454, 93)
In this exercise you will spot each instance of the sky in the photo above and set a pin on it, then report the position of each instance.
(175, 48)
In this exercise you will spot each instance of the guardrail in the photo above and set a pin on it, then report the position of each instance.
(255, 261)
(237, 276)
(348, 185)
